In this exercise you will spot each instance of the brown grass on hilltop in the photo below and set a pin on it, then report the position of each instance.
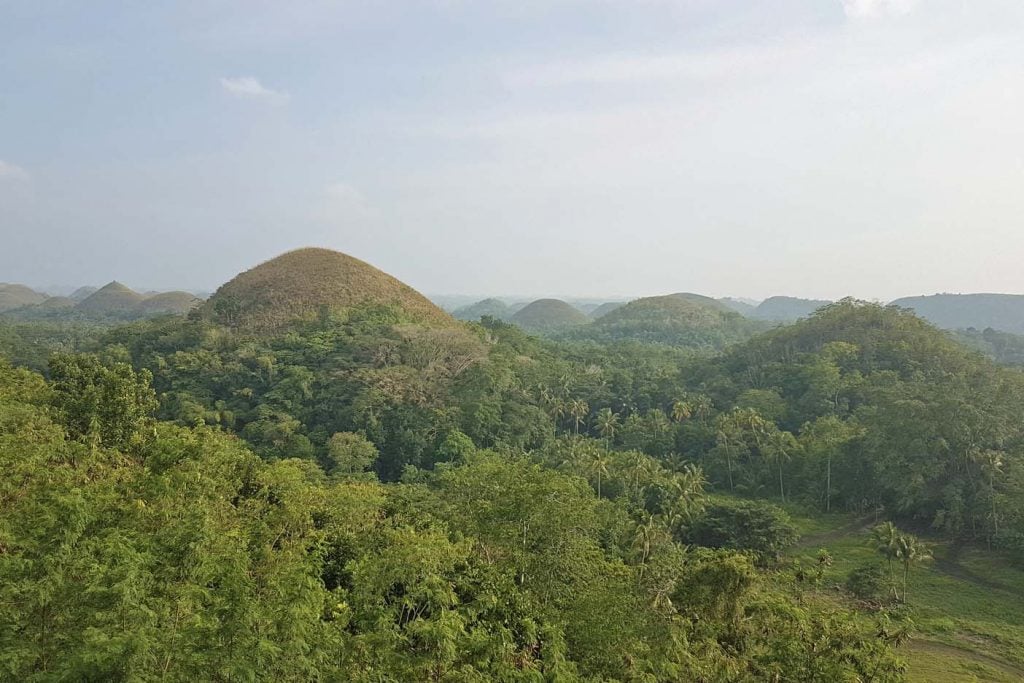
(111, 298)
(168, 302)
(549, 314)
(15, 296)
(298, 284)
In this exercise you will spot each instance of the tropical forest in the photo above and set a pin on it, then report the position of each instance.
(318, 474)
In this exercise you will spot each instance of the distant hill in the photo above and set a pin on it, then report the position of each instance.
(701, 300)
(15, 296)
(113, 304)
(168, 302)
(1003, 312)
(741, 306)
(301, 283)
(549, 315)
(787, 308)
(113, 298)
(495, 308)
(57, 303)
(687, 320)
(81, 293)
(606, 308)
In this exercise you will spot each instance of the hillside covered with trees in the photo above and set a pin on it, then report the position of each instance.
(321, 476)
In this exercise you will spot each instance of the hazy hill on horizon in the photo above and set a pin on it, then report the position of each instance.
(114, 302)
(549, 315)
(1003, 312)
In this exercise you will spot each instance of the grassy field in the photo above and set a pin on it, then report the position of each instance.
(967, 604)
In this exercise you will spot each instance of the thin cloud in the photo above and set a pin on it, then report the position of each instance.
(874, 9)
(10, 171)
(342, 202)
(711, 65)
(250, 87)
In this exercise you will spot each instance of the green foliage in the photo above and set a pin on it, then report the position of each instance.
(349, 453)
(762, 528)
(867, 581)
(681, 320)
(111, 403)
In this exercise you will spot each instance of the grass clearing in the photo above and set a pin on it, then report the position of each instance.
(967, 604)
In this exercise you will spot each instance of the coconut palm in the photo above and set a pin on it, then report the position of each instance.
(607, 423)
(701, 406)
(885, 537)
(643, 540)
(639, 466)
(681, 410)
(599, 466)
(910, 551)
(991, 463)
(727, 440)
(657, 420)
(578, 410)
(779, 446)
(558, 409)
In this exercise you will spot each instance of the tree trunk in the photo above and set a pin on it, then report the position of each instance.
(828, 484)
(728, 464)
(782, 491)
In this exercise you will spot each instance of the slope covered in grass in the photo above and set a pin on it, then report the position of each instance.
(113, 298)
(549, 315)
(676, 319)
(15, 296)
(300, 284)
(495, 308)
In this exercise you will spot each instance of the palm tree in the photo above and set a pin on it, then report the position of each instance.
(675, 461)
(910, 551)
(578, 409)
(607, 425)
(725, 439)
(558, 409)
(688, 487)
(885, 537)
(702, 407)
(991, 463)
(780, 446)
(681, 410)
(599, 466)
(639, 465)
(643, 539)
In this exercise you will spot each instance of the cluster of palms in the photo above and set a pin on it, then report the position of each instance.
(742, 427)
(897, 547)
(607, 422)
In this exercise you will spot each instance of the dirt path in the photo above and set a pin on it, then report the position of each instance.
(826, 537)
(950, 566)
(934, 647)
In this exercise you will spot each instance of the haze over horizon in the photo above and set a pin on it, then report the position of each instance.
(816, 149)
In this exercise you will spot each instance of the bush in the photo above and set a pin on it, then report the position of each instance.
(866, 581)
(762, 528)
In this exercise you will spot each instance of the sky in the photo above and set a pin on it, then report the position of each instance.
(818, 148)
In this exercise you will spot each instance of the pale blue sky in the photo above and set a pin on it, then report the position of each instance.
(817, 147)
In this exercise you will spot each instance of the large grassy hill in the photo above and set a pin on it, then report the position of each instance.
(111, 298)
(300, 284)
(168, 302)
(15, 296)
(686, 320)
(495, 308)
(549, 315)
